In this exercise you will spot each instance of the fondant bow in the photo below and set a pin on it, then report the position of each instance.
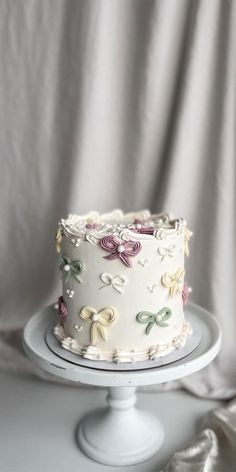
(117, 282)
(120, 249)
(72, 268)
(149, 318)
(100, 320)
(173, 281)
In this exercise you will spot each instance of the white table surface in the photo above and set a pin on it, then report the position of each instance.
(38, 421)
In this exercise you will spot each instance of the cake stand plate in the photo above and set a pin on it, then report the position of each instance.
(120, 433)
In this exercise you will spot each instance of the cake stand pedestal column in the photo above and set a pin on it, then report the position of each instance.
(120, 434)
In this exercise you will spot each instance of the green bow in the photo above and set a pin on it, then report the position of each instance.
(75, 268)
(152, 318)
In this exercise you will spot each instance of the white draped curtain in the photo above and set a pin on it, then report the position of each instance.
(117, 103)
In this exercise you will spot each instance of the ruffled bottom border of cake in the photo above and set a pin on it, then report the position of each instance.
(122, 356)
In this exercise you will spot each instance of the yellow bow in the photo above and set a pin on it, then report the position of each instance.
(58, 239)
(173, 281)
(100, 321)
(187, 235)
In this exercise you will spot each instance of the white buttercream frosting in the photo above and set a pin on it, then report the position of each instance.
(141, 278)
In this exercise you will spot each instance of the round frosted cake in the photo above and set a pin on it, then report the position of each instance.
(123, 285)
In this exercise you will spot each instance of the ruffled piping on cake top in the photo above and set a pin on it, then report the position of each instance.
(127, 226)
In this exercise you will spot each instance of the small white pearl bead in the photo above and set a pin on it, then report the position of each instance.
(56, 306)
(138, 226)
(120, 248)
(66, 268)
(95, 317)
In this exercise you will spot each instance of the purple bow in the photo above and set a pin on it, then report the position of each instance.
(146, 230)
(185, 293)
(91, 226)
(142, 229)
(62, 308)
(120, 249)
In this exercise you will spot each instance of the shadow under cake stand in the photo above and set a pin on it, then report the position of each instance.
(120, 433)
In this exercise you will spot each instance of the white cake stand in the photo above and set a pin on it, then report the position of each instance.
(120, 433)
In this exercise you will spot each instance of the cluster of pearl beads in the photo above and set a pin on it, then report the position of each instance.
(76, 242)
(78, 328)
(70, 293)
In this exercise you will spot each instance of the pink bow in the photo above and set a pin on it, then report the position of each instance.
(120, 249)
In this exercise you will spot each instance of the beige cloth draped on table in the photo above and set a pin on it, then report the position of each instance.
(213, 450)
(123, 103)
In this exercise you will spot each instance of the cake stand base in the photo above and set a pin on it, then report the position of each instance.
(120, 434)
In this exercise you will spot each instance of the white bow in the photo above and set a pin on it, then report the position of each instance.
(117, 282)
(166, 251)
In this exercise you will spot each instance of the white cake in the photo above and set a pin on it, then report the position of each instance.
(123, 285)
